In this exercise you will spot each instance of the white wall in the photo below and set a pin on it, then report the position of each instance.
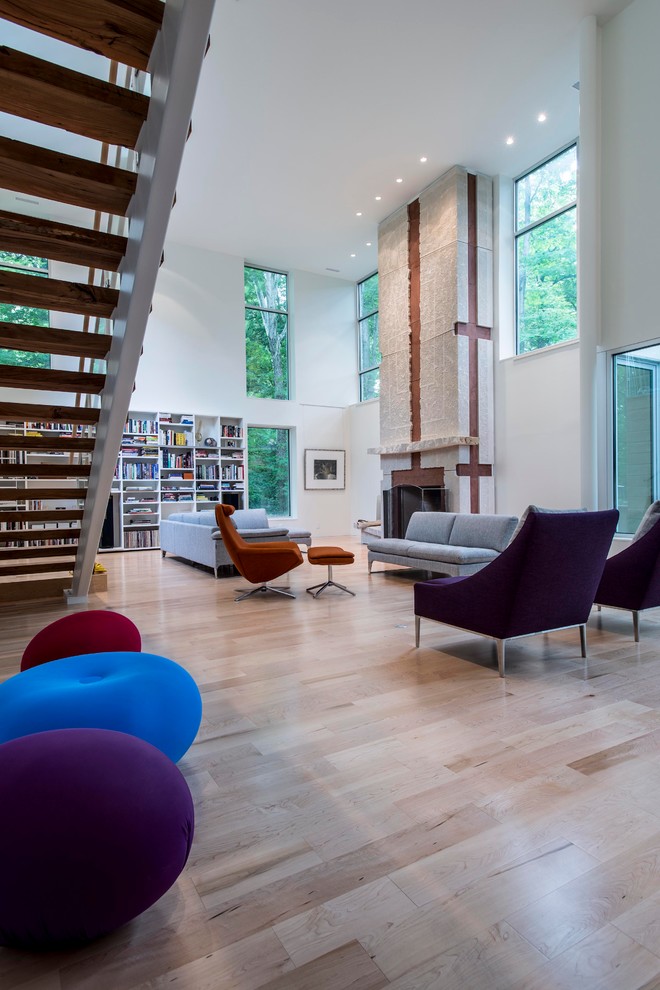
(537, 413)
(630, 215)
(538, 417)
(194, 362)
(366, 474)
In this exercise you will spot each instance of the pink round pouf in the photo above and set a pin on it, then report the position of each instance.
(95, 631)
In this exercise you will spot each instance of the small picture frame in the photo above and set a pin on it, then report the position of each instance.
(325, 469)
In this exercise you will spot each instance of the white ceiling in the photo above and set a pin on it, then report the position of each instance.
(308, 109)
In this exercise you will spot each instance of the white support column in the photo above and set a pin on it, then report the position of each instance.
(588, 255)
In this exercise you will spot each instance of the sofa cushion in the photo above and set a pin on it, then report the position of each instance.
(400, 547)
(474, 530)
(649, 519)
(537, 508)
(431, 527)
(254, 535)
(249, 519)
(450, 554)
(204, 518)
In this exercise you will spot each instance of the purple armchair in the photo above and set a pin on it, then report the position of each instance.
(631, 578)
(545, 579)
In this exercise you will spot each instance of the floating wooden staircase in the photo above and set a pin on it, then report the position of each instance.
(61, 426)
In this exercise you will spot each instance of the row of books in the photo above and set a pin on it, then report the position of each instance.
(141, 426)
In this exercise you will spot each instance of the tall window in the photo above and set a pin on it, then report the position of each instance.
(29, 315)
(368, 339)
(269, 476)
(636, 418)
(266, 334)
(546, 253)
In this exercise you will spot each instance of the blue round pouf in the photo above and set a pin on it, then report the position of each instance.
(144, 695)
(95, 827)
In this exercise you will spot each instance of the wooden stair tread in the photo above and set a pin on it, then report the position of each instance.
(26, 553)
(18, 289)
(43, 471)
(52, 443)
(13, 570)
(40, 515)
(34, 171)
(51, 380)
(51, 94)
(27, 535)
(29, 412)
(41, 238)
(41, 494)
(51, 340)
(122, 30)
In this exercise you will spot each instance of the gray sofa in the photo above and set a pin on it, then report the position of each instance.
(196, 537)
(447, 543)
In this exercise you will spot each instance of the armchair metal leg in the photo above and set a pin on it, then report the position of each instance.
(501, 655)
(265, 587)
(417, 622)
(583, 640)
(635, 616)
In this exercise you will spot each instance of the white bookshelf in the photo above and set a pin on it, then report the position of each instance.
(174, 462)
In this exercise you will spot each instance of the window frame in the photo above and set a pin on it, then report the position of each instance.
(519, 233)
(647, 364)
(286, 313)
(362, 318)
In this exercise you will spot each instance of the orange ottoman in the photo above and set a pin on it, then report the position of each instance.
(332, 556)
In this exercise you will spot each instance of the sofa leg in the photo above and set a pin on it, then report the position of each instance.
(369, 566)
(501, 655)
(417, 622)
(164, 552)
(635, 616)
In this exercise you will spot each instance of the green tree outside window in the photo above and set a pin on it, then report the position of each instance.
(266, 334)
(546, 253)
(269, 485)
(369, 356)
(26, 315)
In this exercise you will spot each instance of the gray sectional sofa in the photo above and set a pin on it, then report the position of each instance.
(447, 543)
(196, 537)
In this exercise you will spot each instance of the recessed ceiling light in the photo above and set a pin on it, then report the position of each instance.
(352, 256)
(399, 180)
(378, 197)
(509, 140)
(542, 117)
(423, 159)
(368, 243)
(358, 214)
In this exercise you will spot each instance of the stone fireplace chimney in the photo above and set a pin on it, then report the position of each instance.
(435, 265)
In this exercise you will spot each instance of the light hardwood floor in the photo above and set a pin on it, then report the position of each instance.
(370, 815)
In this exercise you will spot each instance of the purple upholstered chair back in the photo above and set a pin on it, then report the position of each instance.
(631, 579)
(545, 579)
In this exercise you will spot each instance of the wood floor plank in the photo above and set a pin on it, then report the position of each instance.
(369, 814)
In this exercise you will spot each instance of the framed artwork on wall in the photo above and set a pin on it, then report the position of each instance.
(325, 469)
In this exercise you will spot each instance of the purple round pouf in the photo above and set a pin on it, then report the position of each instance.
(95, 826)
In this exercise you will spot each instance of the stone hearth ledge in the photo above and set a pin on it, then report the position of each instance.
(435, 443)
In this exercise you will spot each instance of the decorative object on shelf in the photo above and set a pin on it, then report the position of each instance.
(325, 469)
(210, 442)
